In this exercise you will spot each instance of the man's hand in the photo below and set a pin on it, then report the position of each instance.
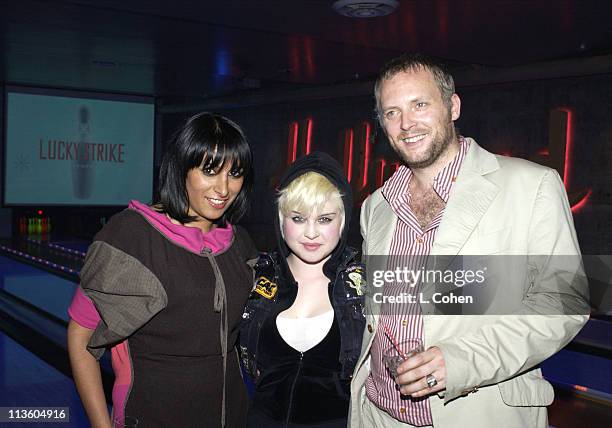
(413, 371)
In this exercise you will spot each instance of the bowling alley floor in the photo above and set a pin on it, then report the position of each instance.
(27, 381)
(63, 257)
(570, 411)
(34, 375)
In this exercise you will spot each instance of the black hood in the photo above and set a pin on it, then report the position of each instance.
(325, 165)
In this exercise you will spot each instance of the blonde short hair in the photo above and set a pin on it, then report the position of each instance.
(308, 193)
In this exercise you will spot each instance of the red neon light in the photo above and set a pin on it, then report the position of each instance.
(544, 152)
(308, 134)
(292, 143)
(568, 147)
(349, 136)
(366, 155)
(581, 388)
(577, 207)
(396, 166)
(310, 70)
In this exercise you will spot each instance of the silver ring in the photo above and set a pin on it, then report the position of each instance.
(431, 380)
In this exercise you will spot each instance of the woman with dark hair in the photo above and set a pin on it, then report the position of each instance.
(164, 285)
(303, 323)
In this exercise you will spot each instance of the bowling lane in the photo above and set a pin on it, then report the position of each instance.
(585, 373)
(27, 381)
(570, 410)
(62, 258)
(49, 293)
(33, 312)
(23, 376)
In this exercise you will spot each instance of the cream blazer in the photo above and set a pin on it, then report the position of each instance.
(498, 205)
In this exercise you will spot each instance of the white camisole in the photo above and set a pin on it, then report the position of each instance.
(303, 334)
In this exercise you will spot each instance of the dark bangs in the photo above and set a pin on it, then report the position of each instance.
(235, 154)
(206, 140)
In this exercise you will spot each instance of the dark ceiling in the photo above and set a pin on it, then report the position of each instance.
(198, 48)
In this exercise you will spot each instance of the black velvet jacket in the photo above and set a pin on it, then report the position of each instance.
(312, 386)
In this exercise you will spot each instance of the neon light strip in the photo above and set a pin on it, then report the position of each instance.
(577, 207)
(348, 140)
(68, 250)
(568, 147)
(308, 135)
(57, 247)
(296, 131)
(39, 260)
(366, 157)
(292, 143)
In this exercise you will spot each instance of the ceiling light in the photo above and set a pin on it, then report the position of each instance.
(365, 8)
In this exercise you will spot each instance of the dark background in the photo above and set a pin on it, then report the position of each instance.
(277, 65)
(267, 64)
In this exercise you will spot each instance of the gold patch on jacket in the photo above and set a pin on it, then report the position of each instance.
(265, 287)
(356, 280)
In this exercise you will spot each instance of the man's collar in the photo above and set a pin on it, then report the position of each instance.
(398, 185)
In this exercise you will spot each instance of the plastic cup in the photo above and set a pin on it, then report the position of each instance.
(392, 357)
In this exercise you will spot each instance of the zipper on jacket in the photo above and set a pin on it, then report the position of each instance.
(339, 313)
(297, 375)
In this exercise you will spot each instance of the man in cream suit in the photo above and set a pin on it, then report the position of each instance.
(453, 198)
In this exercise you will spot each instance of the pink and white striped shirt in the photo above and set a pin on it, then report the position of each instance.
(410, 247)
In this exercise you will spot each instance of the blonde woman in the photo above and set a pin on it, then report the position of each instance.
(302, 326)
